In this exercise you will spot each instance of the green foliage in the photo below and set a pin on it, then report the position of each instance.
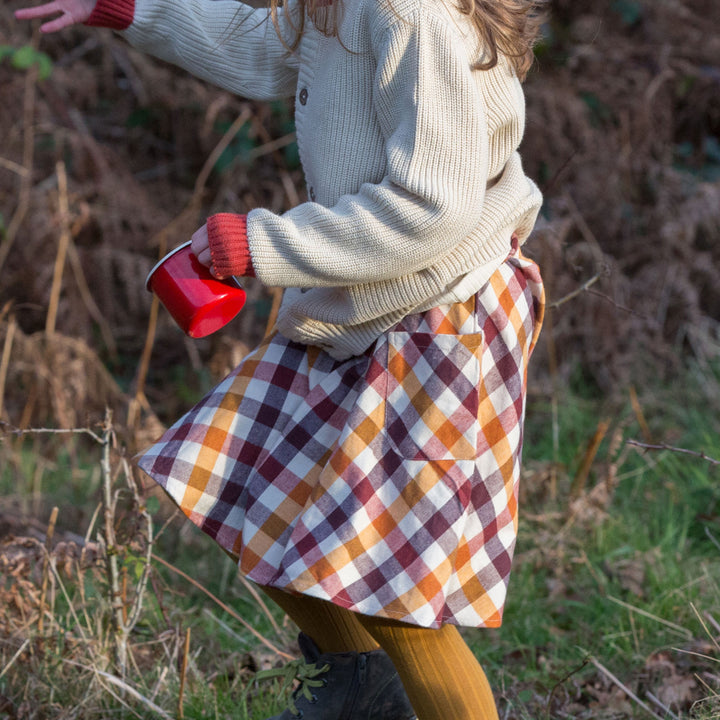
(703, 162)
(242, 148)
(141, 117)
(624, 581)
(24, 57)
(238, 150)
(600, 112)
(630, 11)
(627, 580)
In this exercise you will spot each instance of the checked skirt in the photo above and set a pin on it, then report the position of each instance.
(386, 483)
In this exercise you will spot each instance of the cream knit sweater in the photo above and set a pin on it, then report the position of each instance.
(410, 155)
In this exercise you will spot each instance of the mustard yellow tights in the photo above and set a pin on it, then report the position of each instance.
(441, 676)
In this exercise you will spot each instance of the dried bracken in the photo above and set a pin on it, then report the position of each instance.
(622, 134)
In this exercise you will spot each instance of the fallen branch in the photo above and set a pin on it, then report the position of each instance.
(685, 451)
(623, 687)
(225, 607)
(119, 682)
(19, 652)
(673, 626)
(668, 712)
(585, 286)
(6, 427)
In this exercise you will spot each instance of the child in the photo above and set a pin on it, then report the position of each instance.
(362, 464)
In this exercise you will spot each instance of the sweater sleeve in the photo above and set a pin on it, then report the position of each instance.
(227, 43)
(113, 14)
(432, 116)
(227, 236)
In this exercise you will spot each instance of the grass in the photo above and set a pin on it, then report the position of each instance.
(632, 580)
(613, 606)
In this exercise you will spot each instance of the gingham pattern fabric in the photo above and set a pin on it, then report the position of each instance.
(386, 483)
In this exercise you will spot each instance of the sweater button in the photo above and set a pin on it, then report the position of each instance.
(311, 193)
(303, 96)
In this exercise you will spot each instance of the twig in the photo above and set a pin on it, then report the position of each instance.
(66, 595)
(696, 654)
(639, 415)
(578, 484)
(183, 675)
(711, 691)
(704, 626)
(618, 306)
(218, 150)
(12, 660)
(101, 164)
(225, 607)
(258, 599)
(118, 682)
(289, 188)
(14, 167)
(711, 619)
(46, 565)
(585, 286)
(5, 361)
(6, 427)
(87, 298)
(678, 628)
(668, 712)
(144, 364)
(663, 446)
(5, 310)
(277, 295)
(560, 682)
(232, 633)
(134, 614)
(271, 146)
(64, 241)
(585, 231)
(623, 687)
(109, 542)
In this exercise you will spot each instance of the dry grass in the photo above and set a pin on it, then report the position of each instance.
(623, 127)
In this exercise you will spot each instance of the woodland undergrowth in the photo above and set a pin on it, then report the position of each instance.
(109, 158)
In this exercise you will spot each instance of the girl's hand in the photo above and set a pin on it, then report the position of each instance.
(200, 246)
(72, 12)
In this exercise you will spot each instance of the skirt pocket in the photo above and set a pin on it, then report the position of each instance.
(433, 380)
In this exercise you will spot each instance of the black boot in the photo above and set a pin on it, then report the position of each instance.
(343, 686)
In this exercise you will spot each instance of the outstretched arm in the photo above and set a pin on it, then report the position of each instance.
(69, 12)
(228, 43)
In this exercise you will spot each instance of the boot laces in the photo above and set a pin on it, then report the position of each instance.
(307, 676)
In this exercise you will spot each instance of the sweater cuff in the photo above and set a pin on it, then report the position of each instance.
(113, 14)
(227, 236)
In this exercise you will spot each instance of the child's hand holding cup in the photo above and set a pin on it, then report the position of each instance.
(199, 302)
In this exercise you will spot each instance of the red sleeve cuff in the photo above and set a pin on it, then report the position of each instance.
(227, 236)
(113, 14)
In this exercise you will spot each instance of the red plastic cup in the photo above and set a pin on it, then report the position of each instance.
(198, 302)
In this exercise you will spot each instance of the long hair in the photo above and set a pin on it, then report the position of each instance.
(505, 27)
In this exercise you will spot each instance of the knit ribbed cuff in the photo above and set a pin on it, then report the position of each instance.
(227, 236)
(113, 14)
